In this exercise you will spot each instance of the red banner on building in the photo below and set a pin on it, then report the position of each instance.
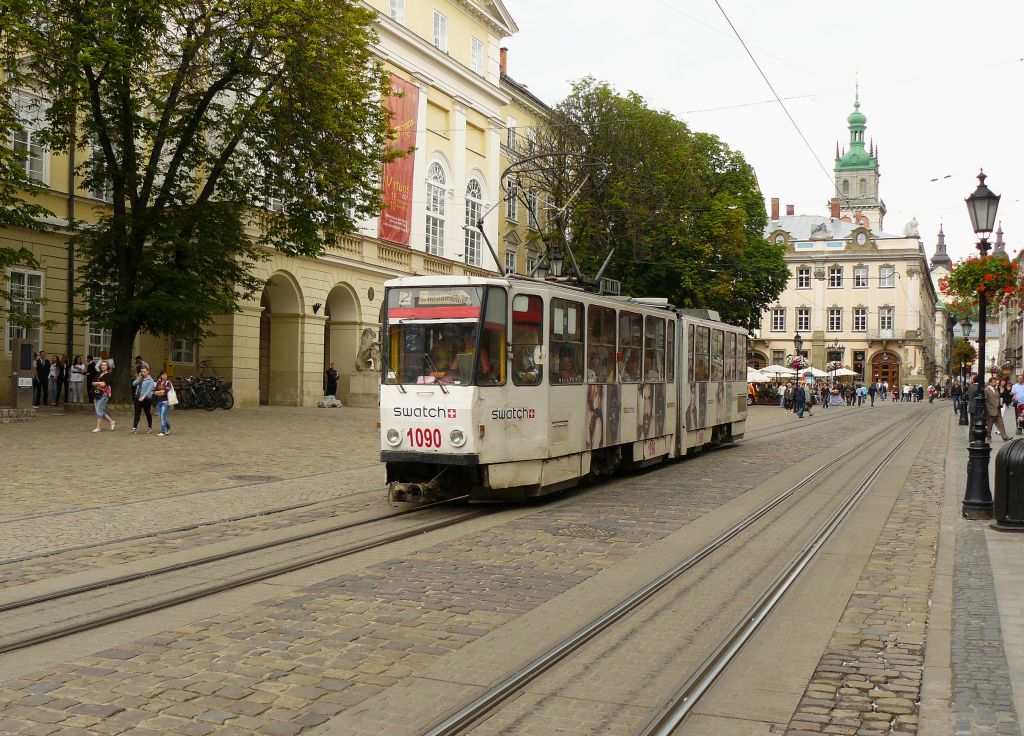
(396, 217)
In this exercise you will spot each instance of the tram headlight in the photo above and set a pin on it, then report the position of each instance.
(457, 437)
(394, 437)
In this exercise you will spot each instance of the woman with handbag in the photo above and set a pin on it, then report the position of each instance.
(100, 392)
(163, 394)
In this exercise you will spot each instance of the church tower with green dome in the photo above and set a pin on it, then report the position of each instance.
(856, 173)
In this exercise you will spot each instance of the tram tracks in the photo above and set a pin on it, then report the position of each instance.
(683, 699)
(66, 621)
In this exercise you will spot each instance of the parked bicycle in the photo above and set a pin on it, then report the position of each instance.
(206, 392)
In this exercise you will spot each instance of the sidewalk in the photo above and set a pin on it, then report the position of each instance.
(974, 661)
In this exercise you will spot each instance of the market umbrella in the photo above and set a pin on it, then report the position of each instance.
(777, 370)
(844, 372)
(814, 372)
(756, 376)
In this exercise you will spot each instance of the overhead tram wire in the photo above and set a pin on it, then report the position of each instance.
(779, 100)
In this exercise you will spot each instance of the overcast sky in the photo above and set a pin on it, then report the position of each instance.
(940, 83)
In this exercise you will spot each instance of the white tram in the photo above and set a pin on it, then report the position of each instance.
(508, 388)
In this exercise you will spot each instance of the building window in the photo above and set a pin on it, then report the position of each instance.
(510, 133)
(183, 352)
(29, 150)
(510, 261)
(885, 315)
(860, 319)
(398, 10)
(441, 31)
(531, 201)
(100, 186)
(778, 357)
(846, 188)
(863, 187)
(531, 263)
(474, 208)
(25, 287)
(97, 340)
(512, 205)
(835, 277)
(887, 277)
(860, 277)
(476, 56)
(835, 319)
(803, 277)
(435, 209)
(778, 320)
(803, 319)
(531, 141)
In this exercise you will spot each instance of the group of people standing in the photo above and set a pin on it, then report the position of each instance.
(56, 378)
(999, 395)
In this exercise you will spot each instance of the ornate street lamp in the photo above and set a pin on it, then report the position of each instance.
(977, 504)
(557, 261)
(835, 349)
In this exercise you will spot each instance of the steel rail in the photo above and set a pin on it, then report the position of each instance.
(686, 697)
(478, 709)
(132, 577)
(238, 582)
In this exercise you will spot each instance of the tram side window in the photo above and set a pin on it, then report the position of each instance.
(490, 359)
(741, 358)
(670, 353)
(566, 342)
(654, 350)
(717, 355)
(689, 353)
(631, 345)
(600, 344)
(701, 371)
(730, 356)
(527, 339)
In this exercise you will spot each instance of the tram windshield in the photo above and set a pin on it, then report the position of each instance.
(446, 334)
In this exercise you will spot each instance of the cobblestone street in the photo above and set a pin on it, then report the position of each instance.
(391, 639)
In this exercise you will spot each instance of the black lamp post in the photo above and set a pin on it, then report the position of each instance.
(965, 330)
(835, 349)
(977, 504)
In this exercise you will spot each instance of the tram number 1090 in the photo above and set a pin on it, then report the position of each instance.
(424, 437)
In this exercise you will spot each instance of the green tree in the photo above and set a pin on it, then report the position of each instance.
(18, 206)
(221, 130)
(961, 352)
(683, 211)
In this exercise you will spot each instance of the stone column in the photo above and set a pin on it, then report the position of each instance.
(312, 365)
(495, 127)
(418, 230)
(237, 353)
(455, 238)
(344, 345)
(286, 354)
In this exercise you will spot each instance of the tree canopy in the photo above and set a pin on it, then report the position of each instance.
(683, 211)
(217, 129)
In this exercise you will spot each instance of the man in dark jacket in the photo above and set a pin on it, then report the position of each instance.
(332, 381)
(42, 383)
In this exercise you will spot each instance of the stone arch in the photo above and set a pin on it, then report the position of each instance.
(341, 332)
(757, 359)
(281, 328)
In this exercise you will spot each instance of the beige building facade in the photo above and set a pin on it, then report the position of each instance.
(314, 311)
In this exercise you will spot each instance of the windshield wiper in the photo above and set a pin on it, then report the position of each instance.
(387, 367)
(433, 369)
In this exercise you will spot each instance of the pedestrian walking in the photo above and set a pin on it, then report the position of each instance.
(871, 393)
(958, 394)
(993, 415)
(862, 394)
(162, 390)
(140, 364)
(906, 392)
(142, 394)
(331, 378)
(76, 381)
(101, 394)
(801, 400)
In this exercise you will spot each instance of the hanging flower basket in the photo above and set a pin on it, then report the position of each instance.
(833, 365)
(797, 362)
(994, 276)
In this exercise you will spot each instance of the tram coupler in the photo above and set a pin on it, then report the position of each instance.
(414, 492)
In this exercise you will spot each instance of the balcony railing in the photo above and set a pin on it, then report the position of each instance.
(881, 334)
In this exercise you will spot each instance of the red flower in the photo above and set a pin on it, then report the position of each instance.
(1008, 289)
(989, 277)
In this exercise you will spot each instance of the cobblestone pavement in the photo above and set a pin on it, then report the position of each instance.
(213, 466)
(868, 680)
(293, 661)
(982, 694)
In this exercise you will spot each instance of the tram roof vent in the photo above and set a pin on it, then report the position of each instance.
(651, 301)
(709, 314)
